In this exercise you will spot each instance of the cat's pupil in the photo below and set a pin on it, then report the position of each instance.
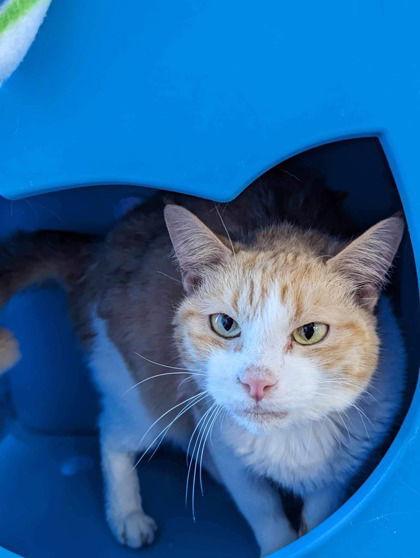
(227, 322)
(308, 331)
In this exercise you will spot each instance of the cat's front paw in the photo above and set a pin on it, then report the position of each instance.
(134, 530)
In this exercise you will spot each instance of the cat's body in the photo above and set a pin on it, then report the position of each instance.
(319, 411)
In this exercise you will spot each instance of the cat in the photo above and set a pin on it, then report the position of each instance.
(253, 320)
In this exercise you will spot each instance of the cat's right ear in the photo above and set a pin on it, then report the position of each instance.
(366, 260)
(196, 247)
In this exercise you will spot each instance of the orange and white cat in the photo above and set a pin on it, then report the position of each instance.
(263, 330)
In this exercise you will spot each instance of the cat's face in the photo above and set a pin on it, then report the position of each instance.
(243, 328)
(281, 335)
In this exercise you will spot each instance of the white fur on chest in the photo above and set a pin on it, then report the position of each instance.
(293, 457)
(124, 418)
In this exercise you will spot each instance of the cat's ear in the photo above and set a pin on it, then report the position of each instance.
(367, 259)
(196, 247)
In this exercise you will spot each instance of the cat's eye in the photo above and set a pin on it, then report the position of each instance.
(224, 325)
(311, 333)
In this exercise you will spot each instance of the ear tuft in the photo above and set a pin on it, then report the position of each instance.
(367, 260)
(196, 247)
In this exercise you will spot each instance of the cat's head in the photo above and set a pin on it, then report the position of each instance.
(282, 331)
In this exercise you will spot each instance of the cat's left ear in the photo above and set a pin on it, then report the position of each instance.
(196, 247)
(366, 261)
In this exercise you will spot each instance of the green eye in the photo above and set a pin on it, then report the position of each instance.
(311, 333)
(225, 326)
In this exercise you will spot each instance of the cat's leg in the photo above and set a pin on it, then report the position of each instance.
(122, 422)
(320, 504)
(123, 502)
(257, 500)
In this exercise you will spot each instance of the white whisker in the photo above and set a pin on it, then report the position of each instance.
(185, 380)
(224, 414)
(367, 392)
(160, 418)
(158, 376)
(334, 429)
(362, 414)
(209, 430)
(180, 413)
(166, 365)
(191, 457)
(188, 457)
(201, 436)
(226, 231)
(169, 277)
(343, 422)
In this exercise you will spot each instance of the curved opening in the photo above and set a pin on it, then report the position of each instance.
(50, 485)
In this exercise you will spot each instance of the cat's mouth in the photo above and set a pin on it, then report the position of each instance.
(260, 414)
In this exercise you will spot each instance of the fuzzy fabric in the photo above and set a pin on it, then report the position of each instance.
(19, 23)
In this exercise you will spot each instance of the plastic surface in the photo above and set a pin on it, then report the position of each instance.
(63, 515)
(202, 96)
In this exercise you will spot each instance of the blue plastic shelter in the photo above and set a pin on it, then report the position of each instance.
(202, 97)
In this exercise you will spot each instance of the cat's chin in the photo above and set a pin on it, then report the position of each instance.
(257, 420)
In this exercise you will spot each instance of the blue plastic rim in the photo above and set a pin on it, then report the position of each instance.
(203, 96)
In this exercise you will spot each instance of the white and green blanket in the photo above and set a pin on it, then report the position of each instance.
(19, 23)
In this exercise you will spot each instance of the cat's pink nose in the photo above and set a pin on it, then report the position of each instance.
(257, 387)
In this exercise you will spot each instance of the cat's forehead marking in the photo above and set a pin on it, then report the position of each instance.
(266, 313)
(251, 292)
(296, 280)
(263, 269)
(252, 295)
(284, 289)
